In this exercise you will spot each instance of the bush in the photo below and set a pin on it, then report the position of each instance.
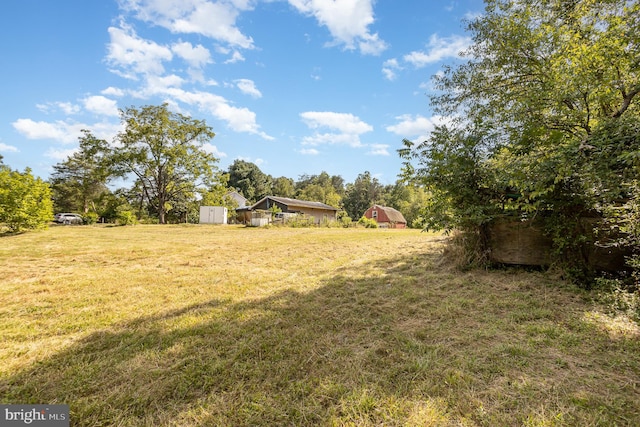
(126, 217)
(25, 201)
(301, 221)
(367, 222)
(90, 218)
(619, 298)
(345, 222)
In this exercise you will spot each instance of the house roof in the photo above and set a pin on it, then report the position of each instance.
(296, 203)
(393, 214)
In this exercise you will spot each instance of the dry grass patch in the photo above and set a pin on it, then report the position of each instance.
(205, 325)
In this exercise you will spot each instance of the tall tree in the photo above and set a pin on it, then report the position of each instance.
(320, 188)
(284, 187)
(79, 182)
(543, 116)
(365, 191)
(248, 179)
(164, 151)
(409, 199)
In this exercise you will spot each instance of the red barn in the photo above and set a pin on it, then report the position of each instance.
(386, 217)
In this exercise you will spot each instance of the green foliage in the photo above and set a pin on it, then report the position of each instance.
(344, 220)
(79, 182)
(619, 299)
(274, 209)
(126, 217)
(25, 201)
(320, 188)
(164, 151)
(300, 221)
(365, 191)
(367, 222)
(249, 180)
(284, 187)
(90, 218)
(542, 122)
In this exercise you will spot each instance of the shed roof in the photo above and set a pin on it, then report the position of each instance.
(296, 203)
(393, 214)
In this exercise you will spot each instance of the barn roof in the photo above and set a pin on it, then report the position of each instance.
(296, 203)
(393, 214)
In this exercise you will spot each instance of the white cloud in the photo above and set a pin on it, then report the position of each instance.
(238, 119)
(309, 151)
(348, 22)
(416, 128)
(156, 85)
(196, 57)
(212, 149)
(379, 150)
(113, 91)
(132, 55)
(257, 162)
(66, 107)
(214, 19)
(248, 87)
(438, 49)
(60, 154)
(472, 16)
(352, 140)
(60, 131)
(64, 132)
(235, 57)
(347, 128)
(99, 104)
(389, 68)
(343, 122)
(8, 148)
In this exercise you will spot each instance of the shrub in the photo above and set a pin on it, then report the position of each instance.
(25, 201)
(345, 222)
(367, 222)
(126, 217)
(90, 218)
(301, 221)
(619, 298)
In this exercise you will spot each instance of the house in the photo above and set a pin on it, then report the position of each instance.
(319, 211)
(386, 216)
(237, 197)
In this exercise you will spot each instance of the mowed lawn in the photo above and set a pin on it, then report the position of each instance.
(233, 326)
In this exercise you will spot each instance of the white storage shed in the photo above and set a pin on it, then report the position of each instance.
(213, 215)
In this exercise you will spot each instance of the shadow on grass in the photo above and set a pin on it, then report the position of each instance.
(399, 342)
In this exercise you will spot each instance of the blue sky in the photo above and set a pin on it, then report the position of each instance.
(295, 86)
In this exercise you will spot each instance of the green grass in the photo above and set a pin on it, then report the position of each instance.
(232, 326)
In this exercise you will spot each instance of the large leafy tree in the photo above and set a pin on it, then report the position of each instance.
(320, 188)
(164, 151)
(543, 116)
(79, 182)
(248, 179)
(284, 187)
(408, 199)
(25, 201)
(365, 191)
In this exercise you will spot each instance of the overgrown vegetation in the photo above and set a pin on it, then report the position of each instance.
(542, 123)
(25, 201)
(211, 325)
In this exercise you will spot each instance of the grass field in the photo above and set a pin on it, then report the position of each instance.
(232, 326)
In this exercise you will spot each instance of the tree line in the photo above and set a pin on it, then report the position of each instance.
(352, 198)
(163, 174)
